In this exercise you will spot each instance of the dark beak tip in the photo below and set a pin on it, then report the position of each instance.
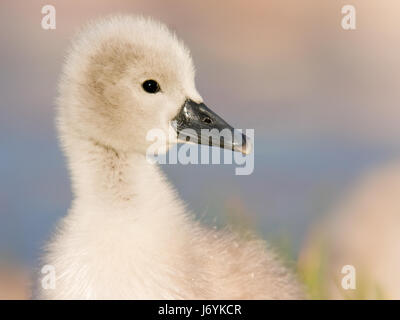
(247, 146)
(192, 116)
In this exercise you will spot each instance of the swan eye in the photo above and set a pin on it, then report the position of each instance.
(151, 86)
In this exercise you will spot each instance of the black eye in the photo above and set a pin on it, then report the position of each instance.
(151, 86)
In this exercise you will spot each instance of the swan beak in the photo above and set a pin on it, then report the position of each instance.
(195, 122)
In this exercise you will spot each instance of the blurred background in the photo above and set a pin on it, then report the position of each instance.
(324, 103)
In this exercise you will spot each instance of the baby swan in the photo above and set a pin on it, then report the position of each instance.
(127, 234)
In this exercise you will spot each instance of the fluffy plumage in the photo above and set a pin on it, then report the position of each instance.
(127, 234)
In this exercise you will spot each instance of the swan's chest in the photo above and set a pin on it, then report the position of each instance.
(103, 258)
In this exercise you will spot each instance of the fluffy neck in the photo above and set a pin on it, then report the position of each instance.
(107, 178)
(125, 220)
(101, 173)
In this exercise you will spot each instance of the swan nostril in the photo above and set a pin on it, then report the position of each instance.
(207, 120)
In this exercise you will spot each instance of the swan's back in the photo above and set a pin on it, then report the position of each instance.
(245, 267)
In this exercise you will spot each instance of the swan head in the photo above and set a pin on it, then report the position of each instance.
(127, 75)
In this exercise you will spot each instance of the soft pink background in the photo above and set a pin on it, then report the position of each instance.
(324, 104)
